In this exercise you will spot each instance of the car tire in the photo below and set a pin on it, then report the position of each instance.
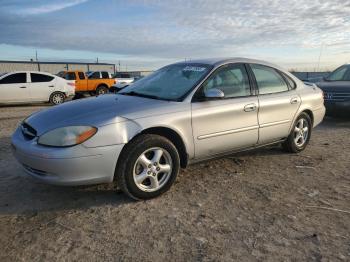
(101, 90)
(300, 134)
(147, 167)
(57, 98)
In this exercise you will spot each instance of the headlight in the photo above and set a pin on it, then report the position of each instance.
(67, 136)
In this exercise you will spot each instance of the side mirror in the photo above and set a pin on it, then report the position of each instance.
(214, 93)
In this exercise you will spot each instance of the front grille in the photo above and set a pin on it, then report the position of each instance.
(28, 131)
(336, 97)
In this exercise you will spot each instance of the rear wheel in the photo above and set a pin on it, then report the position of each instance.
(147, 167)
(57, 98)
(101, 90)
(300, 134)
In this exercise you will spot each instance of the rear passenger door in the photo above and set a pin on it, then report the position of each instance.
(41, 86)
(278, 102)
(14, 88)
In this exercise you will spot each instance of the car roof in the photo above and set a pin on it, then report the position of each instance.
(221, 61)
(36, 72)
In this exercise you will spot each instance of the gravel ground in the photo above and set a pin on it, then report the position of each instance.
(255, 206)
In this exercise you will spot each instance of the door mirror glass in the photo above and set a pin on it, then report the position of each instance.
(214, 93)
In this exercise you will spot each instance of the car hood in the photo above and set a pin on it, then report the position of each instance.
(99, 111)
(334, 86)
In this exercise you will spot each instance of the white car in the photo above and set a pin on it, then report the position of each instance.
(123, 80)
(33, 86)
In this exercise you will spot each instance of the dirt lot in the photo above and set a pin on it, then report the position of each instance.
(253, 206)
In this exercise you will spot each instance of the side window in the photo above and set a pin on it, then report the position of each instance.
(17, 78)
(268, 79)
(231, 79)
(290, 81)
(36, 78)
(105, 75)
(95, 75)
(81, 75)
(70, 76)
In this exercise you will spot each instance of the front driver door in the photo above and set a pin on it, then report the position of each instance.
(226, 124)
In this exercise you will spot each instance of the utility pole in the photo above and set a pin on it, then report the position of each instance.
(319, 58)
(119, 65)
(96, 60)
(36, 55)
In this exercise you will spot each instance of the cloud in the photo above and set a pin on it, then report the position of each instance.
(182, 28)
(49, 8)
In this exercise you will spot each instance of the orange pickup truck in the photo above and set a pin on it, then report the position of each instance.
(94, 85)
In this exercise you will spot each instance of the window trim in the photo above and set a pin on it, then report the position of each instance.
(278, 72)
(196, 98)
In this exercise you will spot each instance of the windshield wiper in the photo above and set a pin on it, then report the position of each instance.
(133, 93)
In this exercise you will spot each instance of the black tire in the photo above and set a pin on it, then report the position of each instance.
(127, 161)
(290, 145)
(57, 98)
(101, 90)
(78, 96)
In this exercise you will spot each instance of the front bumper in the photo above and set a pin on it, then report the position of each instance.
(341, 107)
(77, 165)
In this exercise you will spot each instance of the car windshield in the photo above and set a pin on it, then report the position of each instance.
(169, 83)
(340, 74)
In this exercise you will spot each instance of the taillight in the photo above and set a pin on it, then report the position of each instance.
(71, 84)
(115, 81)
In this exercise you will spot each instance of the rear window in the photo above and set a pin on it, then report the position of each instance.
(40, 78)
(17, 78)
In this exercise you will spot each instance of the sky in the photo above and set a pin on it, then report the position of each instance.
(147, 34)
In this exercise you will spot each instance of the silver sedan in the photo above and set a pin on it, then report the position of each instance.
(180, 114)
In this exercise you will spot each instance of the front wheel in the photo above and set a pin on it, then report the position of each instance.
(300, 134)
(147, 167)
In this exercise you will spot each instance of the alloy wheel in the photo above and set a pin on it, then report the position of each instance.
(152, 169)
(301, 132)
(57, 99)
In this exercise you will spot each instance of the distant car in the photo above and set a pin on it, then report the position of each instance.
(97, 83)
(182, 113)
(33, 86)
(123, 79)
(120, 85)
(336, 89)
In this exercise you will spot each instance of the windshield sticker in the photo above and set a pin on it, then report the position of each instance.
(194, 68)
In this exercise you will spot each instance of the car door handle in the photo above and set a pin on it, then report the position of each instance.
(51, 86)
(294, 100)
(250, 108)
(22, 87)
